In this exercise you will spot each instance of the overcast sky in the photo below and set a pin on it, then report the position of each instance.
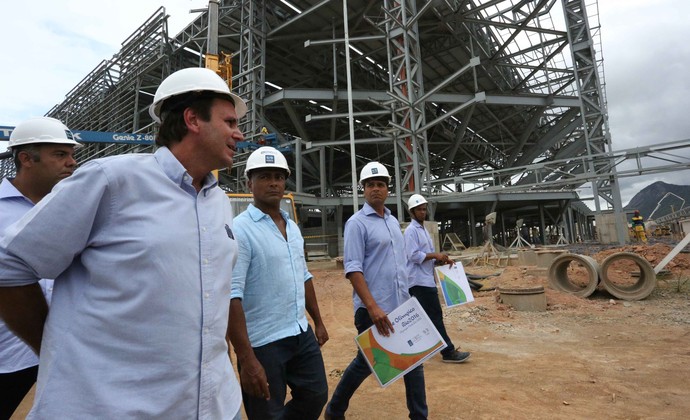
(646, 62)
(49, 46)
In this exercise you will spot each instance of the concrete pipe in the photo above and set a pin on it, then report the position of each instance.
(574, 274)
(525, 298)
(617, 276)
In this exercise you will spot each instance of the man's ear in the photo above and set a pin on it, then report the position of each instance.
(191, 120)
(25, 159)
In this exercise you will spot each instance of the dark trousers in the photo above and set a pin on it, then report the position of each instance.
(428, 298)
(13, 389)
(358, 371)
(295, 362)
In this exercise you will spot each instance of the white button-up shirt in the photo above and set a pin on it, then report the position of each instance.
(15, 354)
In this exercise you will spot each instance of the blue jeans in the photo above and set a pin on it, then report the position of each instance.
(358, 371)
(428, 298)
(295, 362)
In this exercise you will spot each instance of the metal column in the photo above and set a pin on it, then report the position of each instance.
(593, 106)
(406, 87)
(252, 67)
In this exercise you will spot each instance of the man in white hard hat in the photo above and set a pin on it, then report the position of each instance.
(142, 250)
(421, 257)
(375, 264)
(271, 289)
(43, 153)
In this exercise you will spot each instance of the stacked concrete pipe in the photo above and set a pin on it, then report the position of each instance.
(640, 289)
(558, 274)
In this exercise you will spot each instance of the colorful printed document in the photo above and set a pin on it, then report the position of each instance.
(456, 288)
(415, 339)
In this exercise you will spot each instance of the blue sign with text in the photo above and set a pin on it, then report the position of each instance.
(97, 136)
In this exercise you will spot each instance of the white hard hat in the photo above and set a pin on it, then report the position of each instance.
(266, 157)
(373, 170)
(41, 130)
(193, 79)
(415, 200)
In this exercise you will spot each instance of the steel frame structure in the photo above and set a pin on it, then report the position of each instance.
(454, 96)
(593, 109)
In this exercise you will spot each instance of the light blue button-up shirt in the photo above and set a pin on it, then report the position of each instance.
(269, 277)
(418, 243)
(142, 267)
(15, 354)
(375, 246)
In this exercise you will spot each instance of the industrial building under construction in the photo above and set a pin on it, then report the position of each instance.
(483, 106)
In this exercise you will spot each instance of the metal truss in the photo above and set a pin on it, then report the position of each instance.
(406, 87)
(251, 72)
(249, 80)
(646, 161)
(7, 169)
(108, 99)
(451, 95)
(674, 216)
(115, 95)
(593, 109)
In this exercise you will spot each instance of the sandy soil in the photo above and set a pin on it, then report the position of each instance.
(594, 357)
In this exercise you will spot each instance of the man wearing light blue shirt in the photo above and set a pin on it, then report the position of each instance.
(271, 289)
(376, 265)
(421, 257)
(43, 153)
(141, 249)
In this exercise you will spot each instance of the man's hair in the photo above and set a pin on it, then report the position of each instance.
(173, 128)
(34, 150)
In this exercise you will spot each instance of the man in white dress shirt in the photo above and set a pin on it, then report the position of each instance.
(43, 153)
(141, 249)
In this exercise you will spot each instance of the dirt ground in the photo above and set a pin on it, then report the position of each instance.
(595, 357)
